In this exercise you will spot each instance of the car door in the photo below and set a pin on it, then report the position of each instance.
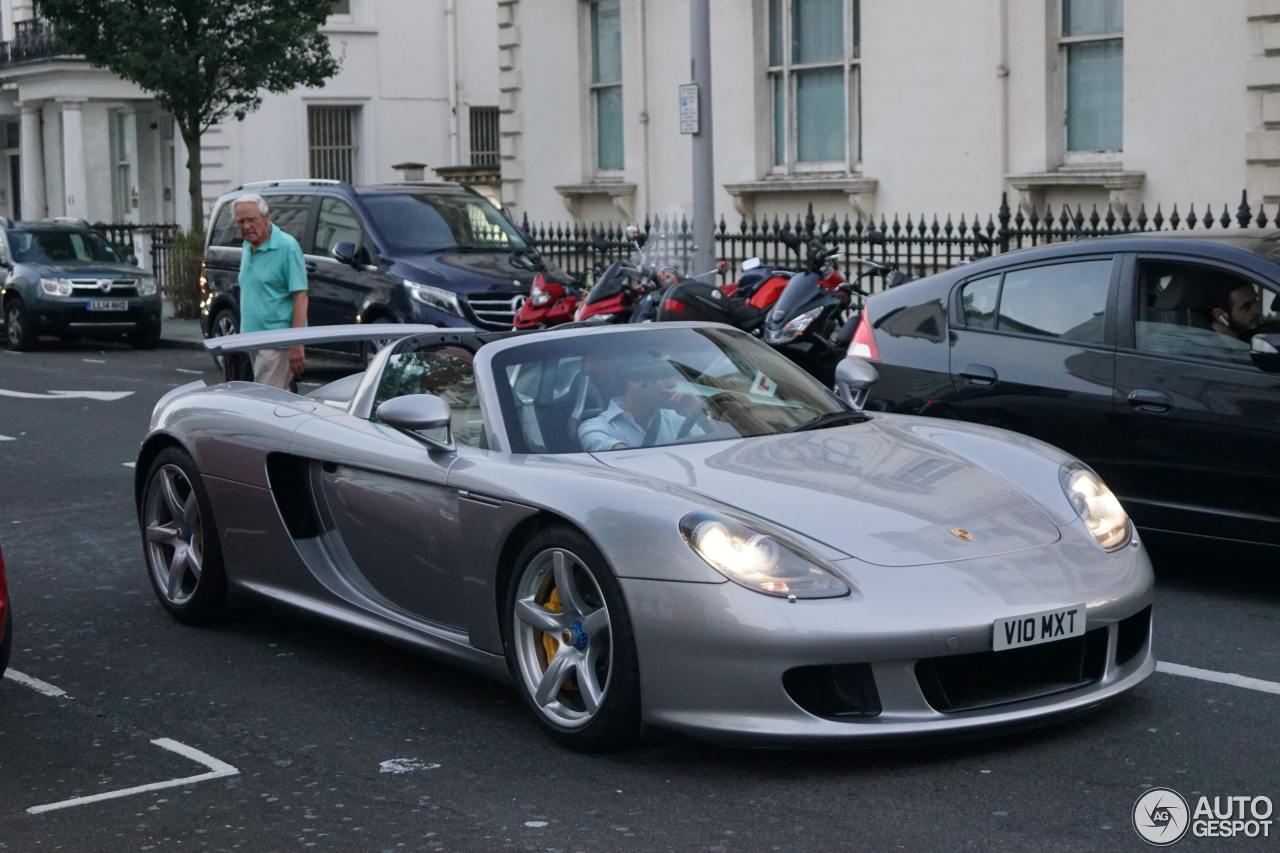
(1198, 425)
(1032, 350)
(390, 505)
(337, 289)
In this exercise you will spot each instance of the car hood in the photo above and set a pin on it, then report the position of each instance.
(465, 272)
(88, 269)
(879, 491)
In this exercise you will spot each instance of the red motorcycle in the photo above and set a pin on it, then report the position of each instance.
(554, 296)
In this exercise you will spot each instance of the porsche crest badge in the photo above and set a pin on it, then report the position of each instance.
(961, 533)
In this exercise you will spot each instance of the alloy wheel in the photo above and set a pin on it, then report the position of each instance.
(563, 638)
(13, 325)
(174, 534)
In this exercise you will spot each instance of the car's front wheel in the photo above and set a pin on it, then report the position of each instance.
(569, 642)
(180, 541)
(17, 328)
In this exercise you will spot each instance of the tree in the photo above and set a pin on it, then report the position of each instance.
(202, 59)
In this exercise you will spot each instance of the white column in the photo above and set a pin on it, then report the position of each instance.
(76, 189)
(31, 152)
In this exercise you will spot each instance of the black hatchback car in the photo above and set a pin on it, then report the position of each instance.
(1153, 358)
(388, 253)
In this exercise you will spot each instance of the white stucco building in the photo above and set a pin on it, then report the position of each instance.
(417, 90)
(891, 105)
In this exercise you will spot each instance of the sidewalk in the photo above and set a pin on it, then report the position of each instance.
(180, 334)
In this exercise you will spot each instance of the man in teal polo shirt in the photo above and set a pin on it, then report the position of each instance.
(273, 289)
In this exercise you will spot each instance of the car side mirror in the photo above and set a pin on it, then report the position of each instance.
(750, 264)
(345, 253)
(854, 378)
(417, 415)
(876, 238)
(133, 260)
(1265, 352)
(896, 278)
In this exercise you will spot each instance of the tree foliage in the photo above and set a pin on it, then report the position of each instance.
(203, 60)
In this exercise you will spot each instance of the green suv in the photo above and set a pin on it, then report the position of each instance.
(62, 278)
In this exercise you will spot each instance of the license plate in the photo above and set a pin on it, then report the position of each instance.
(1032, 629)
(107, 305)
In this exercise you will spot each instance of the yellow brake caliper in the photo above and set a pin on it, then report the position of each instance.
(550, 642)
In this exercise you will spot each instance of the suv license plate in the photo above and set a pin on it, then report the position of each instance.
(107, 305)
(1032, 629)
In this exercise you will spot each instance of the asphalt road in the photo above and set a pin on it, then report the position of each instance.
(342, 743)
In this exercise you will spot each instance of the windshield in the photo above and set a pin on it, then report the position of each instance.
(56, 246)
(649, 388)
(440, 223)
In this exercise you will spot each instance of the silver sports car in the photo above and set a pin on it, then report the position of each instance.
(666, 525)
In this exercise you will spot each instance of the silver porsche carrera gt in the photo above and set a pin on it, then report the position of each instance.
(666, 525)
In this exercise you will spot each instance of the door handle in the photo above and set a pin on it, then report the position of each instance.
(1146, 400)
(980, 374)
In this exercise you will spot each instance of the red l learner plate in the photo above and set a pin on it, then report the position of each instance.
(1032, 629)
(107, 304)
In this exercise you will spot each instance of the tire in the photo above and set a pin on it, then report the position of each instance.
(180, 540)
(225, 322)
(18, 333)
(145, 338)
(368, 349)
(6, 643)
(538, 619)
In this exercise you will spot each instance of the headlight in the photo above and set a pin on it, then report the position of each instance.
(795, 326)
(55, 286)
(756, 560)
(147, 286)
(1097, 507)
(539, 297)
(444, 300)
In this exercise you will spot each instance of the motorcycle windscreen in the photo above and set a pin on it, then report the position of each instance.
(610, 283)
(801, 290)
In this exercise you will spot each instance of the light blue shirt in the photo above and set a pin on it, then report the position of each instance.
(615, 426)
(269, 276)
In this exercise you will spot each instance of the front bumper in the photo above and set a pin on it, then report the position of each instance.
(58, 315)
(713, 657)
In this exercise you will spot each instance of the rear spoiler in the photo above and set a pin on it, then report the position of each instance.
(317, 335)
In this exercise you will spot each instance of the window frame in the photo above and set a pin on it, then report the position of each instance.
(595, 87)
(1110, 321)
(121, 165)
(356, 149)
(1084, 157)
(851, 65)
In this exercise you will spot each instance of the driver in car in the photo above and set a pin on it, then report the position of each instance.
(1237, 311)
(648, 413)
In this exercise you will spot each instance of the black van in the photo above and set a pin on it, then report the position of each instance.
(388, 253)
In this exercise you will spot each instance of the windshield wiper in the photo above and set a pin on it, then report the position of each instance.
(831, 419)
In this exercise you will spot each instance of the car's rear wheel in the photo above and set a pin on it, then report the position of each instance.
(569, 642)
(180, 541)
(17, 329)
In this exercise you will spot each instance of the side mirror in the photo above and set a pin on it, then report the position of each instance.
(750, 264)
(345, 253)
(854, 378)
(133, 260)
(876, 238)
(791, 241)
(417, 414)
(896, 278)
(1265, 352)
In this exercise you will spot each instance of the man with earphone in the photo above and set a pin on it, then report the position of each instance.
(1236, 311)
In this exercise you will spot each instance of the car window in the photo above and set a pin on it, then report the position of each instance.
(224, 231)
(978, 298)
(57, 245)
(336, 223)
(1064, 301)
(1200, 312)
(289, 214)
(588, 392)
(446, 372)
(420, 222)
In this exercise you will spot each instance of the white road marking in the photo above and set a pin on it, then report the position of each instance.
(406, 765)
(104, 396)
(129, 464)
(192, 372)
(34, 683)
(7, 438)
(217, 770)
(1230, 678)
(94, 360)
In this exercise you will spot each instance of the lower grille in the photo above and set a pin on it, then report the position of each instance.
(93, 287)
(986, 679)
(496, 310)
(839, 692)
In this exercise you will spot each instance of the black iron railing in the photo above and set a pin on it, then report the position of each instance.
(32, 40)
(921, 245)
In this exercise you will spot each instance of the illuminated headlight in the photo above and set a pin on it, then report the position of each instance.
(795, 327)
(1097, 507)
(146, 286)
(539, 297)
(55, 286)
(443, 300)
(757, 560)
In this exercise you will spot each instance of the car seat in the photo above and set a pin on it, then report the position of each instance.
(1185, 301)
(587, 401)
